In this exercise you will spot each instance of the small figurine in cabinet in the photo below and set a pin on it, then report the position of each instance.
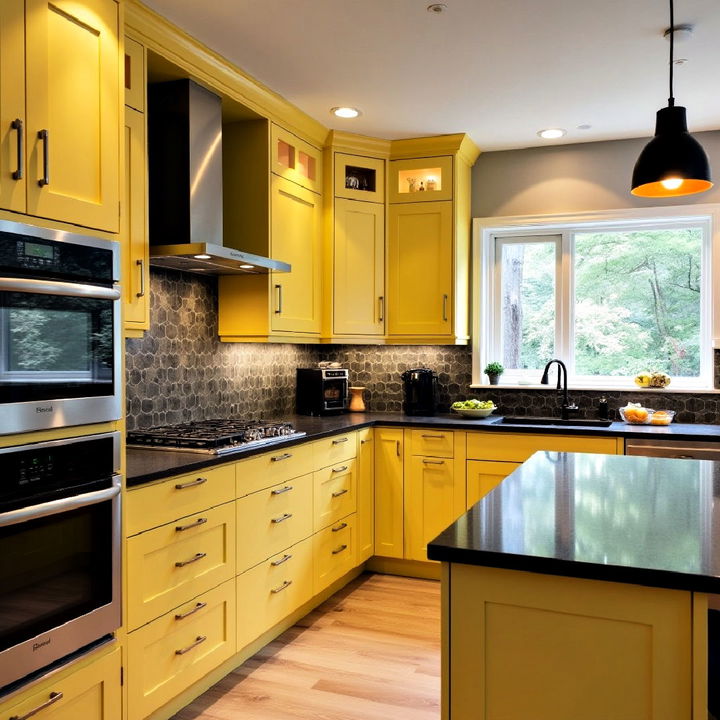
(431, 183)
(411, 184)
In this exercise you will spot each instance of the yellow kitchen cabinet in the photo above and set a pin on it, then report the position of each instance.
(92, 692)
(268, 469)
(421, 179)
(13, 128)
(135, 82)
(358, 281)
(483, 476)
(169, 654)
(420, 269)
(296, 160)
(73, 111)
(357, 177)
(334, 493)
(389, 501)
(365, 536)
(334, 552)
(334, 449)
(135, 248)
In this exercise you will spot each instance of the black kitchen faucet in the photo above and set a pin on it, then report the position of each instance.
(567, 407)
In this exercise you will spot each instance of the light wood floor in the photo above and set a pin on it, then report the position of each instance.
(371, 652)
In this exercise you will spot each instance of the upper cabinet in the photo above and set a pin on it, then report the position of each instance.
(70, 128)
(358, 177)
(421, 179)
(296, 160)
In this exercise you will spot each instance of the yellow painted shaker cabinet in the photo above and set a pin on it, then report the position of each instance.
(389, 502)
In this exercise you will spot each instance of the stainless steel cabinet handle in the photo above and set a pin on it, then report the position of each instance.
(192, 483)
(199, 521)
(282, 560)
(362, 442)
(278, 458)
(339, 493)
(341, 440)
(183, 563)
(381, 308)
(434, 437)
(17, 124)
(280, 491)
(339, 527)
(337, 551)
(44, 135)
(197, 607)
(282, 518)
(342, 468)
(52, 699)
(683, 457)
(433, 462)
(445, 300)
(285, 585)
(278, 305)
(141, 265)
(51, 287)
(199, 640)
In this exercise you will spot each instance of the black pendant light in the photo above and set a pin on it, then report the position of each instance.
(673, 163)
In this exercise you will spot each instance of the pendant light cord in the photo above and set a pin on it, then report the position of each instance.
(671, 99)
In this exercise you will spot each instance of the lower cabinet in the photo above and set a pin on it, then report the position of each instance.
(389, 501)
(483, 475)
(172, 652)
(334, 552)
(365, 495)
(90, 693)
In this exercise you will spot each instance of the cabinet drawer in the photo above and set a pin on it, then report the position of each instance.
(264, 471)
(90, 693)
(334, 493)
(152, 505)
(518, 448)
(296, 160)
(272, 590)
(334, 449)
(432, 443)
(177, 649)
(272, 519)
(172, 563)
(334, 551)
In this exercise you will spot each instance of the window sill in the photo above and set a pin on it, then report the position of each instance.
(618, 388)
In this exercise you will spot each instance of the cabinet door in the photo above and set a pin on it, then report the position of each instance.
(483, 476)
(136, 272)
(12, 105)
(421, 179)
(359, 268)
(134, 75)
(73, 96)
(296, 239)
(296, 160)
(359, 178)
(419, 269)
(434, 499)
(389, 492)
(91, 693)
(365, 495)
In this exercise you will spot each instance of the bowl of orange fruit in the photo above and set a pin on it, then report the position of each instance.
(636, 414)
(662, 417)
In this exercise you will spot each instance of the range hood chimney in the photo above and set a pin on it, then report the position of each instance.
(185, 178)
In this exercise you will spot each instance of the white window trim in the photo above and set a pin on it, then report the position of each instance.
(483, 278)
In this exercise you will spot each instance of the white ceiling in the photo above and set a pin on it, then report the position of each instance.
(499, 70)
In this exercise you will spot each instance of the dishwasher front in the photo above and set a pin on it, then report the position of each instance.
(662, 447)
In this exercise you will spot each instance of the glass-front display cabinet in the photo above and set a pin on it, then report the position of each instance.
(421, 179)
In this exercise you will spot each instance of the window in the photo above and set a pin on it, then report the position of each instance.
(610, 297)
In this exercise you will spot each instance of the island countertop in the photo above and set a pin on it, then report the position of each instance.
(641, 520)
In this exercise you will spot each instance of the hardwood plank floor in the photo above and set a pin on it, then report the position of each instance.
(370, 652)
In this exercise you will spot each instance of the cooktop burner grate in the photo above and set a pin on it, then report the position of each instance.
(214, 436)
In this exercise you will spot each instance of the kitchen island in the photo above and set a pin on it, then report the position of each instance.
(579, 588)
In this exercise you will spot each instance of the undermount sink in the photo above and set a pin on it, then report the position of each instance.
(509, 420)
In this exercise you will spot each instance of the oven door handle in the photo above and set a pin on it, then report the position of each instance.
(66, 289)
(58, 506)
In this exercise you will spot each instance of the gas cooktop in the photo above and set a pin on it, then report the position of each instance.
(214, 437)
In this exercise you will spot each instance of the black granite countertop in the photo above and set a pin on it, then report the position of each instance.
(641, 520)
(148, 465)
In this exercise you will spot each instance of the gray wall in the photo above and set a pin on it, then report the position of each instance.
(571, 178)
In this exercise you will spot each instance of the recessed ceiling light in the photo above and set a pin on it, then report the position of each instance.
(345, 112)
(201, 257)
(551, 133)
(437, 8)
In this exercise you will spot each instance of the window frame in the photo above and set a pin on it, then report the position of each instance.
(486, 272)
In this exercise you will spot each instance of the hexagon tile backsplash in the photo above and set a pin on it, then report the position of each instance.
(179, 371)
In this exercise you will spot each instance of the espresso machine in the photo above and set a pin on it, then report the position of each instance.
(420, 389)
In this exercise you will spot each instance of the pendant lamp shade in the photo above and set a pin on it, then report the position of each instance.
(673, 163)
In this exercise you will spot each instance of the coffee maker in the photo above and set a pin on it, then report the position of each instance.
(420, 386)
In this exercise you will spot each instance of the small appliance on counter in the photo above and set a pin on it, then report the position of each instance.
(322, 391)
(419, 386)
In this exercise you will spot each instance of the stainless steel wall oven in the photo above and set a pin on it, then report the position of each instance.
(60, 334)
(60, 551)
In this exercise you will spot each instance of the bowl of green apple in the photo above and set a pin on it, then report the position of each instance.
(474, 408)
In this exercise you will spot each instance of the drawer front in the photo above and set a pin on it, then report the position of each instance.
(432, 443)
(171, 653)
(518, 448)
(264, 471)
(272, 519)
(272, 590)
(334, 449)
(175, 562)
(153, 505)
(334, 551)
(334, 493)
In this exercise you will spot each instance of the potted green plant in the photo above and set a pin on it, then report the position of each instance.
(494, 370)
